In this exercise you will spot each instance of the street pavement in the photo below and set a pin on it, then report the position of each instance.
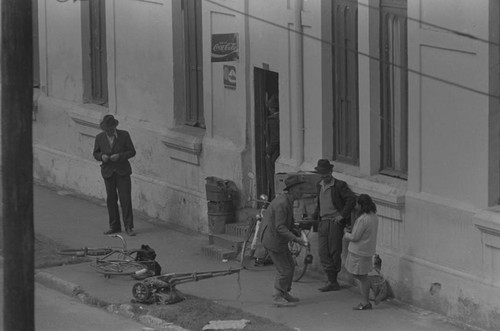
(55, 311)
(78, 222)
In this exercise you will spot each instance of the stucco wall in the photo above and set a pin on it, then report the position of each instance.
(172, 161)
(450, 133)
(142, 45)
(62, 61)
(449, 168)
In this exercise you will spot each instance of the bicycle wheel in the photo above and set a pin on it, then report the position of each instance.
(246, 254)
(299, 254)
(85, 251)
(118, 267)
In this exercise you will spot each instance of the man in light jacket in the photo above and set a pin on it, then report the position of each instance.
(277, 226)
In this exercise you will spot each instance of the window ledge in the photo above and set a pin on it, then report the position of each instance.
(488, 222)
(389, 198)
(87, 119)
(185, 143)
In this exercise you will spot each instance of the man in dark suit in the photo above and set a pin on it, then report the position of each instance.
(113, 148)
(335, 204)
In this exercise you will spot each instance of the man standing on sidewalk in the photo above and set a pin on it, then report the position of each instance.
(333, 210)
(114, 147)
(277, 226)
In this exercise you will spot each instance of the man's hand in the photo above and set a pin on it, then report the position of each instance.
(302, 242)
(115, 157)
(105, 157)
(338, 220)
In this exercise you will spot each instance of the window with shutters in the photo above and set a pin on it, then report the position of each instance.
(188, 63)
(394, 88)
(36, 49)
(194, 63)
(345, 58)
(95, 81)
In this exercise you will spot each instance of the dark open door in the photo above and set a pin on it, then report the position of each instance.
(266, 86)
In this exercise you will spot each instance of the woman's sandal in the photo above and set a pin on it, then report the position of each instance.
(361, 307)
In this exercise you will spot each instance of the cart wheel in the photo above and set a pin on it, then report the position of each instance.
(301, 260)
(141, 292)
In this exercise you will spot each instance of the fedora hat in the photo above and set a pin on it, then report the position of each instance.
(108, 122)
(324, 166)
(293, 180)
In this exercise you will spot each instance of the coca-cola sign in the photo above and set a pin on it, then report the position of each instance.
(225, 47)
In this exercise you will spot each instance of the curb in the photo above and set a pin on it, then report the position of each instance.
(125, 310)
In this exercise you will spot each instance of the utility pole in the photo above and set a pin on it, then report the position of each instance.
(17, 164)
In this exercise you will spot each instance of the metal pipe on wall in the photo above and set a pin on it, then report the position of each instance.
(299, 84)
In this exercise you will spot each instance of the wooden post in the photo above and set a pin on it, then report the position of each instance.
(17, 164)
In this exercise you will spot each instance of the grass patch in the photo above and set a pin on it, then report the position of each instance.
(194, 313)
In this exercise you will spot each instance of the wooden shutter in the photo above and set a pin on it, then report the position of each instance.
(394, 89)
(194, 64)
(98, 66)
(346, 126)
(36, 52)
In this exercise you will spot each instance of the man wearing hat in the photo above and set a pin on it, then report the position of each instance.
(335, 203)
(277, 227)
(113, 148)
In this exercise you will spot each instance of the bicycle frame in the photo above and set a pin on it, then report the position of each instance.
(302, 258)
(247, 259)
(113, 261)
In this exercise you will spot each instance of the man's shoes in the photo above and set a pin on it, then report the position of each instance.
(330, 287)
(280, 301)
(130, 232)
(112, 231)
(290, 298)
(362, 307)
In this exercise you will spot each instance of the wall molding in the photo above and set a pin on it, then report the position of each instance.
(184, 143)
(87, 121)
(488, 222)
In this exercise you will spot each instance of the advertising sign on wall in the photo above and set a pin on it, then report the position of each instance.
(225, 47)
(230, 77)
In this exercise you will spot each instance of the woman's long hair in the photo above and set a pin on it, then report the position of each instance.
(366, 204)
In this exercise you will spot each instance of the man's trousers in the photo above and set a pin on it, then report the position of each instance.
(330, 236)
(283, 261)
(119, 187)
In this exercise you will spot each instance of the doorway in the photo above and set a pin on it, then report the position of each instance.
(266, 129)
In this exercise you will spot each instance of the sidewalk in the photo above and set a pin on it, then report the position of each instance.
(78, 222)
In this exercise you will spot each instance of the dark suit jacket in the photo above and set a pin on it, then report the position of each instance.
(343, 199)
(277, 224)
(122, 146)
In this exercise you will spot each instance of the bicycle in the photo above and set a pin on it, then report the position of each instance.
(114, 261)
(301, 255)
(250, 243)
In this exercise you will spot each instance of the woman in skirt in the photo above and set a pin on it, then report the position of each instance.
(362, 244)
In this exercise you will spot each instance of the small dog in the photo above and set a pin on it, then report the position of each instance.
(378, 284)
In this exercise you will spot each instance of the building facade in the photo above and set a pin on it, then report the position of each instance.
(402, 95)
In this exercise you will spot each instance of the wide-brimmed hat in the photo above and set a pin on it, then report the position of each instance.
(293, 180)
(108, 122)
(324, 166)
